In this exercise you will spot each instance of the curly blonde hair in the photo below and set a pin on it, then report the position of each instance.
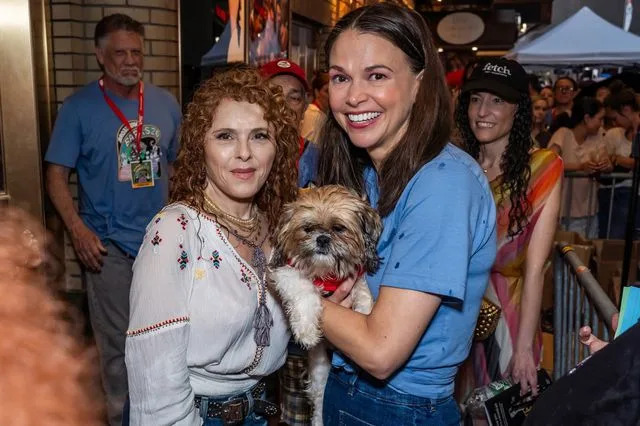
(241, 85)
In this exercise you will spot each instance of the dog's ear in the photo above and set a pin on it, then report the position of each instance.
(372, 228)
(278, 257)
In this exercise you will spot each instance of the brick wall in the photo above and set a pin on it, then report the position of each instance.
(73, 24)
(74, 63)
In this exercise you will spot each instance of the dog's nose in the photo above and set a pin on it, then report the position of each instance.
(323, 241)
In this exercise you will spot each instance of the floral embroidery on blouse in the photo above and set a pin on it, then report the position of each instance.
(199, 273)
(183, 259)
(216, 259)
(244, 277)
(182, 220)
(157, 326)
(156, 239)
(158, 217)
(246, 274)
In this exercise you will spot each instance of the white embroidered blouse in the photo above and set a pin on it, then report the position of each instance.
(193, 301)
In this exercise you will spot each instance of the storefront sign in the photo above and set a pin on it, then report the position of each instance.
(460, 28)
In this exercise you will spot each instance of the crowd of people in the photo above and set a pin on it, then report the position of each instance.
(470, 192)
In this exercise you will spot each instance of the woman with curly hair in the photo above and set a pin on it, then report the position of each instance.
(494, 118)
(204, 328)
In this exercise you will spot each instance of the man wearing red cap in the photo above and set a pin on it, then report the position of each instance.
(291, 78)
(296, 408)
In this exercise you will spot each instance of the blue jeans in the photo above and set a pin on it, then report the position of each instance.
(586, 226)
(351, 399)
(621, 199)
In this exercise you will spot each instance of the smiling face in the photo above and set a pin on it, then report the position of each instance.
(239, 152)
(490, 117)
(371, 91)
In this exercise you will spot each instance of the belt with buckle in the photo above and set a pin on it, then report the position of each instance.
(236, 409)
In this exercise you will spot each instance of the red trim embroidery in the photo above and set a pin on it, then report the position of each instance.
(154, 327)
(156, 239)
(182, 220)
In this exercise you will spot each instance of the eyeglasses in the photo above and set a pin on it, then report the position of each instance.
(565, 89)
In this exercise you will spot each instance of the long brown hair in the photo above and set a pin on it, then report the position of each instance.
(430, 119)
(242, 85)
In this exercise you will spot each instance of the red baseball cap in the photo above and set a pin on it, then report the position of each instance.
(284, 66)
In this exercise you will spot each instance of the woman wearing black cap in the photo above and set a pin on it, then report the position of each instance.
(494, 118)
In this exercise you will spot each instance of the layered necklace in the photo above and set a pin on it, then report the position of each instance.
(246, 231)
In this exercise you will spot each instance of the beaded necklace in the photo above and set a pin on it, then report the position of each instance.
(248, 226)
(263, 320)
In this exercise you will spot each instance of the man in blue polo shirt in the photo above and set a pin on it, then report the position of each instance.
(121, 137)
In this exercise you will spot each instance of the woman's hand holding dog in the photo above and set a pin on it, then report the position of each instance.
(342, 296)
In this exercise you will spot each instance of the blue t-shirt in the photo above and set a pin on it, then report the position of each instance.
(308, 165)
(441, 239)
(89, 137)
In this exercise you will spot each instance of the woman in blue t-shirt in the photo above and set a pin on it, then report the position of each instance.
(386, 136)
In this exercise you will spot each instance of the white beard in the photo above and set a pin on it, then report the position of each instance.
(125, 80)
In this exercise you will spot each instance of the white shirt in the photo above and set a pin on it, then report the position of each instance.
(193, 301)
(579, 195)
(618, 144)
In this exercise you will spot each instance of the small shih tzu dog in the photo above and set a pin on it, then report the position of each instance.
(326, 236)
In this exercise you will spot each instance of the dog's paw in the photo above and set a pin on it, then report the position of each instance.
(362, 298)
(302, 302)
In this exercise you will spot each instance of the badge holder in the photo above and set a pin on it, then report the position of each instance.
(142, 174)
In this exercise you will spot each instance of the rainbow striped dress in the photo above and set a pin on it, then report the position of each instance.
(491, 357)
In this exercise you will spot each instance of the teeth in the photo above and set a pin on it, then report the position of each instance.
(484, 124)
(364, 116)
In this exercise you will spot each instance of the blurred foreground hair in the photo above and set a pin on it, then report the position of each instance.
(46, 376)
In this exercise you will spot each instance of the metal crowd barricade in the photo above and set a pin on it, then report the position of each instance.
(571, 177)
(579, 301)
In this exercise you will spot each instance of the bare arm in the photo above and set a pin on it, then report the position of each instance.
(58, 190)
(626, 162)
(523, 366)
(87, 244)
(589, 166)
(382, 341)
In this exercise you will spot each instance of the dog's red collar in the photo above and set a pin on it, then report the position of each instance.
(330, 283)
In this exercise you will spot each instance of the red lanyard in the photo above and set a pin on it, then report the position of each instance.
(121, 116)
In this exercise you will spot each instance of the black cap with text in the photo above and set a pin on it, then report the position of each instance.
(502, 77)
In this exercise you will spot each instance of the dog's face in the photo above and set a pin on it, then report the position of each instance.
(328, 230)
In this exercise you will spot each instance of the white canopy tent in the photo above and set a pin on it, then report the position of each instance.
(582, 39)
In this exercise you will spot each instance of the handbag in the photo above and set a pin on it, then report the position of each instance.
(487, 320)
